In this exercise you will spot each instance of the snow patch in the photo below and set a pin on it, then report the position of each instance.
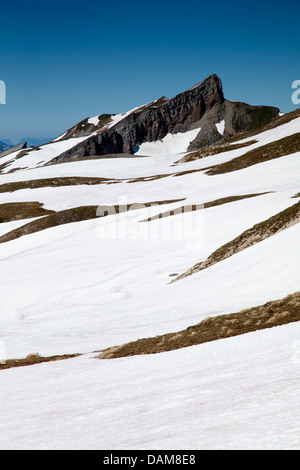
(94, 120)
(170, 144)
(221, 127)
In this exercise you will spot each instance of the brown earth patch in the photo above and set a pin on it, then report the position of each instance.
(32, 359)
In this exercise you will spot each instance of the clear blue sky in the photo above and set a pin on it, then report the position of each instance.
(63, 61)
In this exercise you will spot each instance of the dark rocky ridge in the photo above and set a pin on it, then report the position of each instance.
(15, 148)
(202, 106)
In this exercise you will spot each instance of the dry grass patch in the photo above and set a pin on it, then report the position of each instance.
(52, 182)
(76, 214)
(22, 210)
(271, 314)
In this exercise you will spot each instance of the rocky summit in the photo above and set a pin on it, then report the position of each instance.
(199, 116)
(201, 107)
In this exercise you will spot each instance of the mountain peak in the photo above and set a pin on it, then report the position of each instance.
(197, 117)
(203, 107)
(213, 77)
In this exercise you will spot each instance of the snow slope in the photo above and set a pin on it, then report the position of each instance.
(40, 156)
(235, 393)
(45, 153)
(107, 269)
(111, 282)
(85, 286)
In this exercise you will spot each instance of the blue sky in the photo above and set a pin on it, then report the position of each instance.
(64, 61)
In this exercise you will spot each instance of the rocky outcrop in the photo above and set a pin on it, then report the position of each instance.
(150, 122)
(10, 150)
(231, 118)
(203, 106)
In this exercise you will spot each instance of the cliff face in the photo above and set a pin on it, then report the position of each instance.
(178, 114)
(231, 118)
(202, 106)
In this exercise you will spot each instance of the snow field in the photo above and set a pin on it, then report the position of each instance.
(238, 393)
(86, 286)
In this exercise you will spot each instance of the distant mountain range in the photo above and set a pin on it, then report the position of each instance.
(3, 146)
(31, 142)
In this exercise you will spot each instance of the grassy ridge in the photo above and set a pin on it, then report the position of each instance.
(255, 234)
(274, 313)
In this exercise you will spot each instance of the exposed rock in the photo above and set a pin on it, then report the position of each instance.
(34, 355)
(17, 147)
(202, 106)
(237, 118)
(85, 127)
